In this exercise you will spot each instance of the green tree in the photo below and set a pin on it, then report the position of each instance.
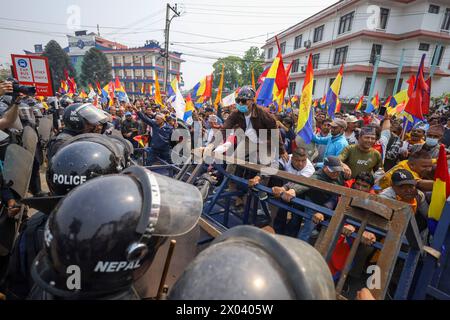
(58, 61)
(253, 59)
(232, 76)
(95, 67)
(4, 74)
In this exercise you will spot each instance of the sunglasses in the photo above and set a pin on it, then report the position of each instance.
(241, 101)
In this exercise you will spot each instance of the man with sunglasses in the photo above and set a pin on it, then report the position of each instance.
(251, 118)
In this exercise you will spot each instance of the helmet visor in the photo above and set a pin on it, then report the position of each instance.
(170, 208)
(93, 115)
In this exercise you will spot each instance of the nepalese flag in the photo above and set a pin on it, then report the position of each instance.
(333, 93)
(359, 104)
(374, 104)
(306, 112)
(441, 190)
(275, 81)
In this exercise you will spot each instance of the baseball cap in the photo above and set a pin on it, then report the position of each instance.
(351, 119)
(333, 163)
(339, 122)
(367, 131)
(401, 177)
(128, 113)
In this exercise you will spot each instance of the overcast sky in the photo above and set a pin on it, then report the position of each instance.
(199, 32)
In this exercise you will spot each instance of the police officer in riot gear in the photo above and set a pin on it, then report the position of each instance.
(78, 118)
(84, 157)
(56, 110)
(66, 101)
(248, 263)
(81, 158)
(112, 243)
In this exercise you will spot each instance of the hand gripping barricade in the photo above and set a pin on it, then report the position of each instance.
(389, 220)
(112, 242)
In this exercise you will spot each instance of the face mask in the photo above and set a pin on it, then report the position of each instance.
(431, 142)
(242, 108)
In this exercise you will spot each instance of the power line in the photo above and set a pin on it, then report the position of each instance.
(83, 26)
(224, 41)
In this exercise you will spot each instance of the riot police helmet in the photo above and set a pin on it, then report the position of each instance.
(26, 113)
(83, 117)
(66, 101)
(247, 263)
(81, 158)
(53, 102)
(110, 228)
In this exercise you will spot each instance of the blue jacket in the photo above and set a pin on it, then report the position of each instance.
(335, 145)
(161, 136)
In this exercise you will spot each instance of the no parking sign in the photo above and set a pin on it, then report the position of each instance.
(33, 71)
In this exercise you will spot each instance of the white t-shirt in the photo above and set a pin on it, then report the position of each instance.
(249, 131)
(307, 171)
(351, 139)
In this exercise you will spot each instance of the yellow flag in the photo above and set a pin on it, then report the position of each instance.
(219, 91)
(253, 80)
(158, 99)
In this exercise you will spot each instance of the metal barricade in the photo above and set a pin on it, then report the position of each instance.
(388, 219)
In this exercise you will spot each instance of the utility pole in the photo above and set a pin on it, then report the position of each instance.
(98, 30)
(435, 59)
(399, 73)
(374, 78)
(166, 43)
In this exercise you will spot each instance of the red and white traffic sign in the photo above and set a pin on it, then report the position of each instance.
(33, 71)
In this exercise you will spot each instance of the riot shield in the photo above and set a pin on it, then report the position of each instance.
(29, 139)
(17, 124)
(17, 169)
(45, 128)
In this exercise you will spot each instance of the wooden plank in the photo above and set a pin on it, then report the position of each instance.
(209, 228)
(373, 206)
